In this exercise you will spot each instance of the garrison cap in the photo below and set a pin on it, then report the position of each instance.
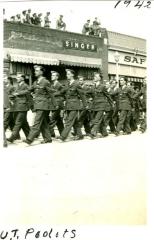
(38, 67)
(70, 70)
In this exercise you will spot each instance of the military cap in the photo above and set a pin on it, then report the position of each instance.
(29, 10)
(55, 72)
(24, 11)
(80, 76)
(61, 15)
(38, 67)
(70, 70)
(48, 12)
(12, 17)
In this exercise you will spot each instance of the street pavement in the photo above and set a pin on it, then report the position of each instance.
(100, 181)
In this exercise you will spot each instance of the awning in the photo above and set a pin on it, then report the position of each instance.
(33, 59)
(80, 64)
(26, 56)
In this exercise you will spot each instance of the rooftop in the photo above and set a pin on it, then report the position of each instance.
(123, 41)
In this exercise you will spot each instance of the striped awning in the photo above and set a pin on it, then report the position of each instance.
(46, 58)
(33, 59)
(80, 64)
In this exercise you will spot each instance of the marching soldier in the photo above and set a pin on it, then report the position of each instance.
(47, 21)
(85, 117)
(73, 93)
(42, 96)
(143, 94)
(102, 105)
(125, 106)
(56, 118)
(20, 108)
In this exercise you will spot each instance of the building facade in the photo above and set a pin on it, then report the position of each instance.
(113, 54)
(26, 45)
(127, 57)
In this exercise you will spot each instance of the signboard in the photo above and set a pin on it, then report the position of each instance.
(128, 59)
(82, 46)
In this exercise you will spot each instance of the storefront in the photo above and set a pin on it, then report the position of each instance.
(27, 45)
(126, 57)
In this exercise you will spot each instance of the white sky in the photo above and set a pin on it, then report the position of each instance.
(130, 20)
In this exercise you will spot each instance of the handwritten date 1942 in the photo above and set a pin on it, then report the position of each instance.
(136, 4)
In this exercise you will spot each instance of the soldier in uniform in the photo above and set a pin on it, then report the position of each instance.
(85, 117)
(42, 100)
(20, 107)
(60, 24)
(102, 105)
(47, 21)
(73, 93)
(125, 106)
(143, 94)
(56, 118)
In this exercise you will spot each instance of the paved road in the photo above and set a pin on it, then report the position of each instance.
(101, 181)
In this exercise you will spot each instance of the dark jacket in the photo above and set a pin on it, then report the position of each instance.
(101, 99)
(56, 89)
(73, 94)
(43, 96)
(20, 100)
(125, 98)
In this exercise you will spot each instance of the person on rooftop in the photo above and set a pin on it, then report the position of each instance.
(23, 17)
(86, 28)
(95, 27)
(47, 21)
(60, 24)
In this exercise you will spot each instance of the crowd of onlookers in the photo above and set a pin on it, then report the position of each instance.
(27, 17)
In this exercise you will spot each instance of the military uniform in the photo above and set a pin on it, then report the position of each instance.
(20, 108)
(102, 106)
(42, 99)
(85, 114)
(56, 118)
(73, 93)
(125, 107)
(143, 93)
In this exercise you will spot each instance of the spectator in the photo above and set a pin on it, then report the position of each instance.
(39, 20)
(95, 28)
(86, 28)
(18, 18)
(23, 17)
(12, 19)
(34, 19)
(29, 17)
(60, 24)
(47, 20)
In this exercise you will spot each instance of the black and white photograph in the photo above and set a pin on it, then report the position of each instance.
(74, 129)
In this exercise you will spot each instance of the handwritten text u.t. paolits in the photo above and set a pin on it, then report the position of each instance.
(32, 234)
